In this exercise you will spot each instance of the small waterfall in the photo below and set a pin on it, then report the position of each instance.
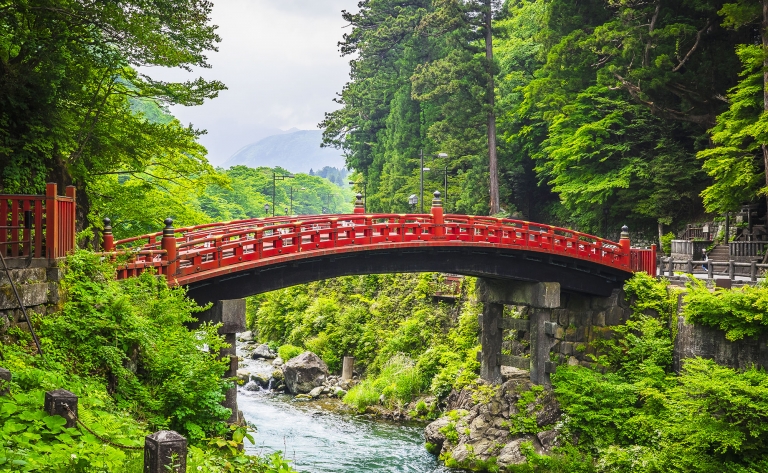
(269, 385)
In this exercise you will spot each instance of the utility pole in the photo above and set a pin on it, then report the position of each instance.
(277, 177)
(421, 187)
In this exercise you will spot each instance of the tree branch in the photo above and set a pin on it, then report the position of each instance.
(695, 45)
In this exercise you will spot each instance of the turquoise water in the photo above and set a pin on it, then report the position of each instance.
(317, 440)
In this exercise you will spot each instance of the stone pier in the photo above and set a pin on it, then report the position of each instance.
(560, 327)
(231, 314)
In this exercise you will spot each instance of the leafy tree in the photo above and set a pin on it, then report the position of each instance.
(68, 72)
(740, 135)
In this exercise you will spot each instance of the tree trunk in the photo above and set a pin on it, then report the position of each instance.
(492, 155)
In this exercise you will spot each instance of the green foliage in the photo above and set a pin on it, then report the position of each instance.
(287, 352)
(599, 106)
(378, 319)
(567, 459)
(131, 334)
(73, 108)
(739, 313)
(31, 440)
(528, 404)
(398, 382)
(666, 242)
(633, 415)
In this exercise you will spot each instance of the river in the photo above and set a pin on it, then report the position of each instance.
(318, 438)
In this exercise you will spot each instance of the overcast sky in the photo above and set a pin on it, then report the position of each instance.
(281, 64)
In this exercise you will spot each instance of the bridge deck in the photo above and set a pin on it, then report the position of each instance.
(194, 254)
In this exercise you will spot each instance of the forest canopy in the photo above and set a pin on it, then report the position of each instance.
(607, 112)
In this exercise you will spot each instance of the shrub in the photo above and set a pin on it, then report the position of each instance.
(399, 381)
(287, 352)
(738, 312)
(666, 243)
(132, 335)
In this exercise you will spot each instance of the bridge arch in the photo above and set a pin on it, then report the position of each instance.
(231, 260)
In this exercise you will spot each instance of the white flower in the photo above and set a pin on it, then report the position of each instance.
(74, 457)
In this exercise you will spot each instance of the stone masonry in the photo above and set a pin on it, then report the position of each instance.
(547, 328)
(37, 281)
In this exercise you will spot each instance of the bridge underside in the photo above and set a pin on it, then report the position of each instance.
(573, 275)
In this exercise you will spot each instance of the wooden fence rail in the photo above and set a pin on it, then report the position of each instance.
(38, 226)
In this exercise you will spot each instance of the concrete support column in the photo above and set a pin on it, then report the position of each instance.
(542, 297)
(491, 339)
(541, 342)
(231, 315)
(348, 367)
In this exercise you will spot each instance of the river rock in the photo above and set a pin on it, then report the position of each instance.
(263, 352)
(277, 375)
(316, 392)
(304, 373)
(244, 375)
(260, 379)
(278, 362)
(302, 398)
(511, 454)
(339, 393)
(433, 435)
(246, 336)
(482, 431)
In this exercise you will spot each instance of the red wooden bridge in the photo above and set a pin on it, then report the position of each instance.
(256, 255)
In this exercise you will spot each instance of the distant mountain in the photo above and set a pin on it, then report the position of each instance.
(297, 151)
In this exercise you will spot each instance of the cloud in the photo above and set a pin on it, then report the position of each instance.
(280, 62)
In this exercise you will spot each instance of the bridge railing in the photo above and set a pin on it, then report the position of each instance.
(38, 226)
(180, 253)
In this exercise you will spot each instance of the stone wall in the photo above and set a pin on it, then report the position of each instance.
(710, 343)
(37, 281)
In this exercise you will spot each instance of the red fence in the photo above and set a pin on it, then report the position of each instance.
(194, 253)
(38, 226)
(643, 260)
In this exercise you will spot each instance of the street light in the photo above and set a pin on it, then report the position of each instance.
(444, 172)
(412, 201)
(275, 178)
(422, 169)
(365, 197)
(266, 210)
(301, 189)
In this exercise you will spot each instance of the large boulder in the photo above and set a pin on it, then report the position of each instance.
(304, 373)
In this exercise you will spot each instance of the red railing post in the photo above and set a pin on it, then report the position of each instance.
(625, 245)
(168, 243)
(108, 240)
(51, 221)
(652, 267)
(437, 215)
(70, 229)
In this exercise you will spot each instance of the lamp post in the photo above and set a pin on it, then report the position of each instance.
(327, 201)
(365, 197)
(266, 210)
(277, 177)
(301, 189)
(413, 199)
(421, 171)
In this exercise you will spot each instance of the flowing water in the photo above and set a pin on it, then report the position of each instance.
(318, 438)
